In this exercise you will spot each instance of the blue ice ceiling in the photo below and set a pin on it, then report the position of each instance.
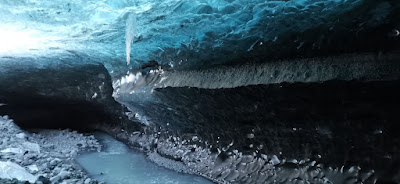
(172, 32)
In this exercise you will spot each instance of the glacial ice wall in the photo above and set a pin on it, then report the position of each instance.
(180, 32)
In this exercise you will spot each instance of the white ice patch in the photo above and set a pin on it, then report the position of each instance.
(142, 119)
(21, 136)
(274, 160)
(12, 150)
(94, 96)
(10, 170)
(33, 168)
(25, 146)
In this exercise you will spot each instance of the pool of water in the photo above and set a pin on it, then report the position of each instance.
(117, 164)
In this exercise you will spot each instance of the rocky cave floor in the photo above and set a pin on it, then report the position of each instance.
(42, 156)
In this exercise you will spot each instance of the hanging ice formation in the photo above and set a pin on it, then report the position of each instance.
(130, 34)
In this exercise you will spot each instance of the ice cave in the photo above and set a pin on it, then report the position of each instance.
(199, 91)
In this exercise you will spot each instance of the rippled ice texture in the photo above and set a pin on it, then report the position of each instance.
(173, 31)
(117, 164)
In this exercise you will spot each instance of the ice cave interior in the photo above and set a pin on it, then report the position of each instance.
(234, 91)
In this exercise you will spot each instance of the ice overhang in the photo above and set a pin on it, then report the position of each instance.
(177, 32)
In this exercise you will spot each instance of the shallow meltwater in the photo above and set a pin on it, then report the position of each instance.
(117, 164)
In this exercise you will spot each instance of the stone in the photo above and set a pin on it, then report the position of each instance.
(62, 175)
(21, 135)
(87, 181)
(54, 162)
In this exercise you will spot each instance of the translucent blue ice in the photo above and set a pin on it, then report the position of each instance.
(173, 32)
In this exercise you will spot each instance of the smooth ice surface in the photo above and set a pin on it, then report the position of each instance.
(117, 164)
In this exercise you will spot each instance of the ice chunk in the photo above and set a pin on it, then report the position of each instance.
(10, 170)
(31, 147)
(21, 136)
(274, 160)
(62, 175)
(12, 150)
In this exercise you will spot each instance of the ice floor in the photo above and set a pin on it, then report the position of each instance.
(116, 163)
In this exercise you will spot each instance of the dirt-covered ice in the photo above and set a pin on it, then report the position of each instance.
(46, 156)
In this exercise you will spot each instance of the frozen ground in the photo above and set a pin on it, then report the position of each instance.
(42, 157)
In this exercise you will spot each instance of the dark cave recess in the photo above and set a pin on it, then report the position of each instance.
(75, 97)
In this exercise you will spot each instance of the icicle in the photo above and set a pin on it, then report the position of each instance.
(129, 34)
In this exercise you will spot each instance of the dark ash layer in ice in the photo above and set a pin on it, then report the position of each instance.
(337, 131)
(362, 67)
(336, 121)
